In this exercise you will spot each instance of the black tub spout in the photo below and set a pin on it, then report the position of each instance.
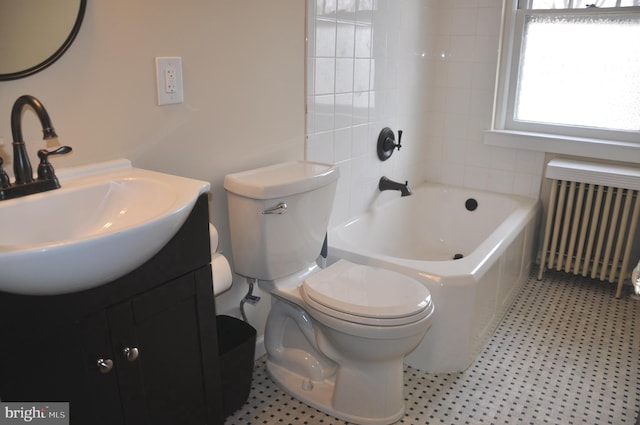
(388, 184)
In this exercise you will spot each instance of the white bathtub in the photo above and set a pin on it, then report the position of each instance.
(420, 234)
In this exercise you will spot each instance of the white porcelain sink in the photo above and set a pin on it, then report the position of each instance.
(105, 221)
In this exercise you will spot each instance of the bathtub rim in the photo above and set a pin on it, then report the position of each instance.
(475, 264)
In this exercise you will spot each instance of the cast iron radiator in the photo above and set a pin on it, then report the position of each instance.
(591, 220)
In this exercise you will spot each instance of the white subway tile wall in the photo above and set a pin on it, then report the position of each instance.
(427, 67)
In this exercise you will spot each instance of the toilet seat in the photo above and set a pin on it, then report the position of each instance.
(366, 295)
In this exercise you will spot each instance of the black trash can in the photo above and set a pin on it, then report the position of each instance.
(236, 349)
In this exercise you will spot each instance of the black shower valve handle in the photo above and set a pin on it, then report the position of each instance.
(387, 143)
(390, 142)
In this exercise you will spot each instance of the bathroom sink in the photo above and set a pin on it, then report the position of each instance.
(105, 221)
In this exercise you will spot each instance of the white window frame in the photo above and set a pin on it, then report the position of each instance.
(620, 146)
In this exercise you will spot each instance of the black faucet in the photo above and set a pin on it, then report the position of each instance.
(24, 183)
(387, 184)
(21, 164)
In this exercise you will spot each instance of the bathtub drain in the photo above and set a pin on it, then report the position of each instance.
(471, 204)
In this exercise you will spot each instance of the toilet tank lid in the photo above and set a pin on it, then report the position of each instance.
(281, 180)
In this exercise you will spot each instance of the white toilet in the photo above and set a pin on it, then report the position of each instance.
(335, 337)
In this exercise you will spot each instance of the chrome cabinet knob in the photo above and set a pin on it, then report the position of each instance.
(105, 365)
(131, 354)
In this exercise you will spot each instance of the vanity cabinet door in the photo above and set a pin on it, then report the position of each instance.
(165, 349)
(101, 404)
(57, 362)
(43, 364)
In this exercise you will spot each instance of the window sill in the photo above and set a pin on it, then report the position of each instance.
(589, 148)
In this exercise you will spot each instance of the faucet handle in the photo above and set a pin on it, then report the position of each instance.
(387, 143)
(45, 169)
(4, 177)
(43, 153)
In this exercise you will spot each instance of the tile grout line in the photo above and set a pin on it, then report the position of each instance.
(565, 353)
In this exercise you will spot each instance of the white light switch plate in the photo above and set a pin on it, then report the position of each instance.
(169, 80)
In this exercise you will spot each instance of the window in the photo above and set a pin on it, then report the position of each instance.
(572, 69)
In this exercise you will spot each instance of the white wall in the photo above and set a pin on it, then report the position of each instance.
(243, 64)
(431, 72)
(366, 71)
(465, 58)
(424, 66)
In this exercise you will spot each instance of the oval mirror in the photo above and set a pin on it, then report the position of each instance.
(35, 33)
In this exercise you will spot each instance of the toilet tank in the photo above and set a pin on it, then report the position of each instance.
(278, 217)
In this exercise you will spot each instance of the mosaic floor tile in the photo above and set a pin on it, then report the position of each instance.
(567, 352)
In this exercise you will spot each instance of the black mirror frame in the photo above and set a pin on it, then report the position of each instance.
(56, 55)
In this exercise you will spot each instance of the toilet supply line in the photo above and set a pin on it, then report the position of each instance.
(249, 298)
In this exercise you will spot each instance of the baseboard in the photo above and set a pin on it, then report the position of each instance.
(260, 350)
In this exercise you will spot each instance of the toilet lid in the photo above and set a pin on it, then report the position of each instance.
(367, 292)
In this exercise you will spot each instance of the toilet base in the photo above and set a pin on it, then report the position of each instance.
(320, 394)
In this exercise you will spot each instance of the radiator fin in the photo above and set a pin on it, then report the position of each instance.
(589, 230)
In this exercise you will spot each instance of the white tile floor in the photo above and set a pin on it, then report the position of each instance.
(567, 352)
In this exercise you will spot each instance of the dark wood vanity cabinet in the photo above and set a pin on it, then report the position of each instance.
(158, 353)
(140, 350)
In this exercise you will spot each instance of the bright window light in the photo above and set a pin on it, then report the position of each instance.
(579, 4)
(580, 70)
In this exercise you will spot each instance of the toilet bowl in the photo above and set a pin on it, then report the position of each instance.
(335, 337)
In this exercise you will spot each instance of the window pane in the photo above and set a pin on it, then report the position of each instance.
(580, 71)
(581, 4)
